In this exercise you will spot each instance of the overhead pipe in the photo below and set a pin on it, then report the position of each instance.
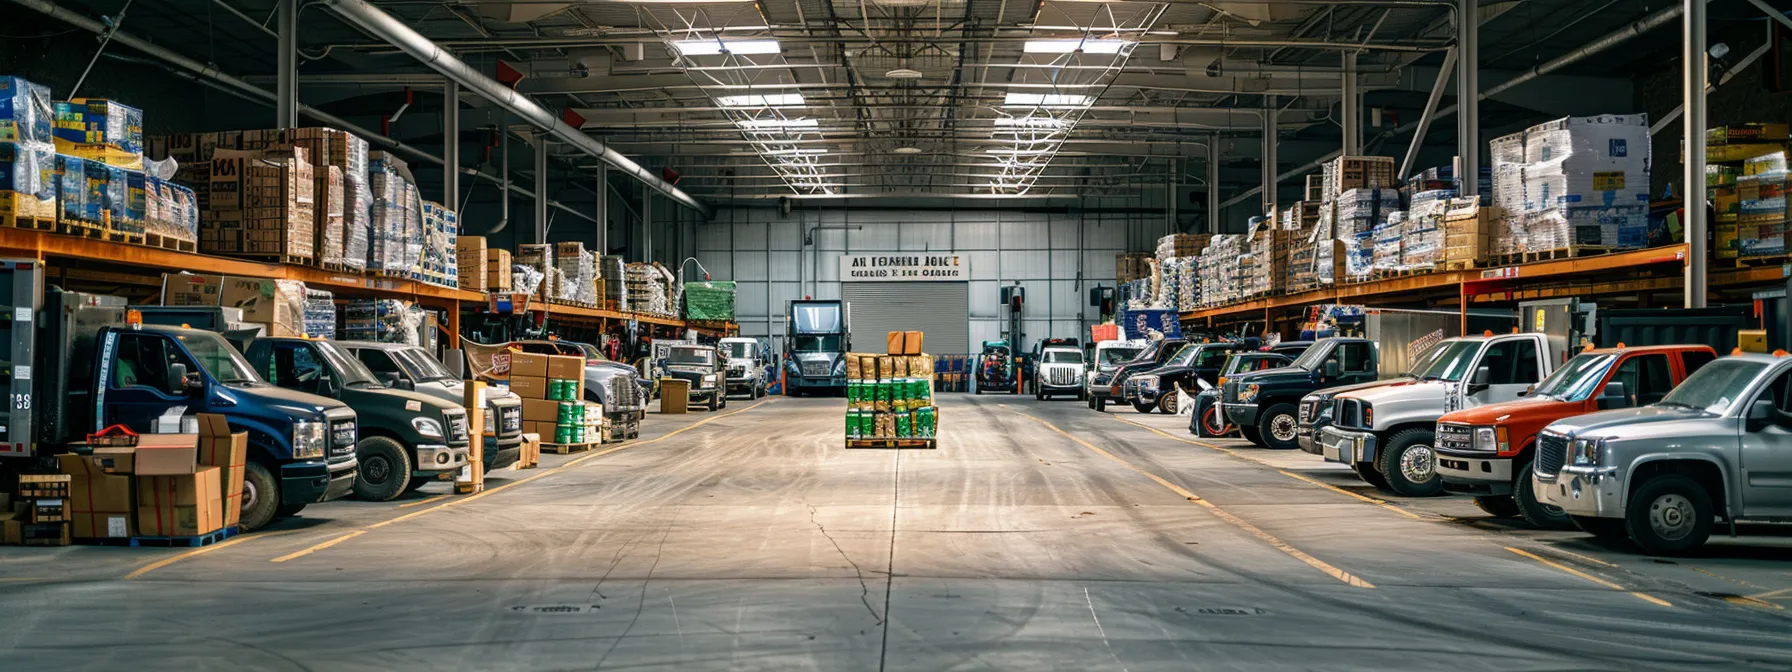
(210, 75)
(1601, 44)
(392, 30)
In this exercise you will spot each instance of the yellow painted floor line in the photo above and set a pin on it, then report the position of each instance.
(1773, 594)
(1354, 495)
(1752, 602)
(1218, 512)
(1575, 572)
(1582, 558)
(164, 562)
(421, 502)
(319, 547)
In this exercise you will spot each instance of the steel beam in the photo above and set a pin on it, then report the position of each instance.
(1269, 153)
(1692, 61)
(1213, 183)
(1437, 94)
(286, 90)
(1468, 97)
(603, 209)
(451, 145)
(541, 188)
(1351, 119)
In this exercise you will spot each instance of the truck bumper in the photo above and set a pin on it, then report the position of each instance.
(1475, 474)
(807, 383)
(1241, 414)
(1060, 389)
(1307, 438)
(314, 481)
(1594, 493)
(434, 459)
(1345, 446)
(742, 385)
(502, 452)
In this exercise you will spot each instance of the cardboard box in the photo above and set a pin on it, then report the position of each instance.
(229, 452)
(1746, 133)
(911, 342)
(180, 506)
(115, 460)
(497, 270)
(894, 342)
(20, 533)
(100, 502)
(540, 410)
(166, 454)
(527, 364)
(529, 387)
(565, 367)
(539, 429)
(530, 456)
(46, 510)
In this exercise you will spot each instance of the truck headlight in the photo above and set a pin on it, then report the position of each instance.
(709, 380)
(1248, 393)
(1147, 381)
(1585, 452)
(1484, 439)
(308, 440)
(428, 427)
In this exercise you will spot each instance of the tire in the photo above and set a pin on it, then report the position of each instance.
(1142, 407)
(1609, 529)
(1539, 515)
(712, 403)
(1410, 464)
(385, 469)
(1669, 514)
(261, 497)
(1101, 404)
(724, 402)
(1167, 404)
(978, 391)
(1250, 434)
(1038, 393)
(1498, 506)
(1370, 475)
(1277, 426)
(1212, 423)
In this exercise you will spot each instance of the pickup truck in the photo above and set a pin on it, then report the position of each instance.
(1106, 359)
(1059, 371)
(1155, 388)
(1385, 433)
(746, 366)
(406, 439)
(84, 362)
(1264, 405)
(1154, 355)
(701, 366)
(1487, 451)
(409, 367)
(1717, 447)
(1207, 420)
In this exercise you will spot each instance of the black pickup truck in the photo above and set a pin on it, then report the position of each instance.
(1155, 354)
(1265, 404)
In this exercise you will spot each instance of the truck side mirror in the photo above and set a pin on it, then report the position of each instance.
(177, 379)
(1482, 375)
(1528, 390)
(1613, 396)
(1331, 369)
(1760, 414)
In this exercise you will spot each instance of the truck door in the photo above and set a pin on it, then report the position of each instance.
(138, 388)
(1767, 455)
(292, 365)
(1512, 366)
(1356, 363)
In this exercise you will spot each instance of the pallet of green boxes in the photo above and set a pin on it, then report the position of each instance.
(890, 401)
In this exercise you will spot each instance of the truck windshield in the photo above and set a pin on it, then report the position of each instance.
(739, 350)
(1212, 357)
(1116, 355)
(1716, 386)
(1312, 357)
(352, 371)
(1449, 363)
(1063, 357)
(1576, 380)
(691, 356)
(219, 358)
(823, 343)
(420, 366)
(1184, 356)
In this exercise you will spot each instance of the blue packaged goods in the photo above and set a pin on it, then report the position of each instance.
(27, 180)
(136, 193)
(320, 313)
(27, 115)
(99, 123)
(105, 194)
(1139, 323)
(71, 190)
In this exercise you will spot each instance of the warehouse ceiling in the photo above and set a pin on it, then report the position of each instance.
(775, 98)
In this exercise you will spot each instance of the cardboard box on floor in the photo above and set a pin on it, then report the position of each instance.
(541, 410)
(229, 452)
(182, 505)
(100, 503)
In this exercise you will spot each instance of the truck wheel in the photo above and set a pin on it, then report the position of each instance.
(1498, 506)
(261, 497)
(978, 391)
(1212, 424)
(712, 403)
(1277, 427)
(1101, 403)
(1669, 515)
(724, 402)
(1141, 407)
(1038, 393)
(1609, 529)
(385, 469)
(1250, 434)
(1369, 475)
(1539, 515)
(1410, 464)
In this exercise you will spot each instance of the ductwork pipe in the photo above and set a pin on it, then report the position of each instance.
(386, 27)
(208, 74)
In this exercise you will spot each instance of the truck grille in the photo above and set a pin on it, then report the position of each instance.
(1454, 437)
(342, 437)
(1060, 376)
(1347, 413)
(1552, 451)
(1309, 410)
(815, 368)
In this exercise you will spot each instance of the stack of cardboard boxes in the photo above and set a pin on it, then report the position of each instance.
(277, 304)
(27, 150)
(497, 270)
(261, 205)
(469, 260)
(39, 514)
(890, 396)
(553, 392)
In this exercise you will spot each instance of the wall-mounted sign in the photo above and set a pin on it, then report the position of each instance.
(919, 266)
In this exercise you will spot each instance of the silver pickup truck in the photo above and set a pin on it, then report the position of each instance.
(1718, 447)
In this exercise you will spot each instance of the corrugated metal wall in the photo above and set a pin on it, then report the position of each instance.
(1057, 256)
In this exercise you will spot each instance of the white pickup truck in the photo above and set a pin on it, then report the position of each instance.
(1385, 433)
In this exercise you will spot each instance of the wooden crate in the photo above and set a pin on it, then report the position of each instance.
(1467, 235)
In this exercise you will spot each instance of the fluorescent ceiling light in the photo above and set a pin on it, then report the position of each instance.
(756, 100)
(1018, 99)
(1075, 44)
(1015, 151)
(1031, 122)
(714, 47)
(792, 152)
(777, 124)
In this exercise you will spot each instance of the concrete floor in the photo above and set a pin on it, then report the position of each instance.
(1038, 535)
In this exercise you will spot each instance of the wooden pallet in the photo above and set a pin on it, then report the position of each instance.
(335, 267)
(892, 443)
(1458, 265)
(82, 229)
(134, 542)
(1569, 252)
(28, 222)
(567, 448)
(293, 259)
(153, 239)
(1753, 262)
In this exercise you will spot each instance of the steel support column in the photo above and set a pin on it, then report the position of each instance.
(603, 209)
(541, 188)
(1437, 93)
(1351, 119)
(1213, 183)
(451, 145)
(1171, 168)
(1468, 97)
(286, 89)
(1693, 179)
(1270, 140)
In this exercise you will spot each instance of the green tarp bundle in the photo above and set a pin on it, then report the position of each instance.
(709, 300)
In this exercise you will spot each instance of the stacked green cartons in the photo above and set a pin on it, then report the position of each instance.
(553, 389)
(890, 397)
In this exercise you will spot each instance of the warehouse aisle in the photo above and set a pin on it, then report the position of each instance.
(1038, 535)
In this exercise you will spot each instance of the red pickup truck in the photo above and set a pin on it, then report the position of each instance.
(1486, 451)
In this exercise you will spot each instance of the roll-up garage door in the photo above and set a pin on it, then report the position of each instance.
(941, 309)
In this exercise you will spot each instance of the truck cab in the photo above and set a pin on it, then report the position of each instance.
(1206, 420)
(1059, 371)
(1265, 405)
(1106, 358)
(817, 336)
(746, 366)
(1194, 368)
(1154, 354)
(408, 367)
(301, 446)
(1718, 446)
(406, 438)
(702, 367)
(1386, 433)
